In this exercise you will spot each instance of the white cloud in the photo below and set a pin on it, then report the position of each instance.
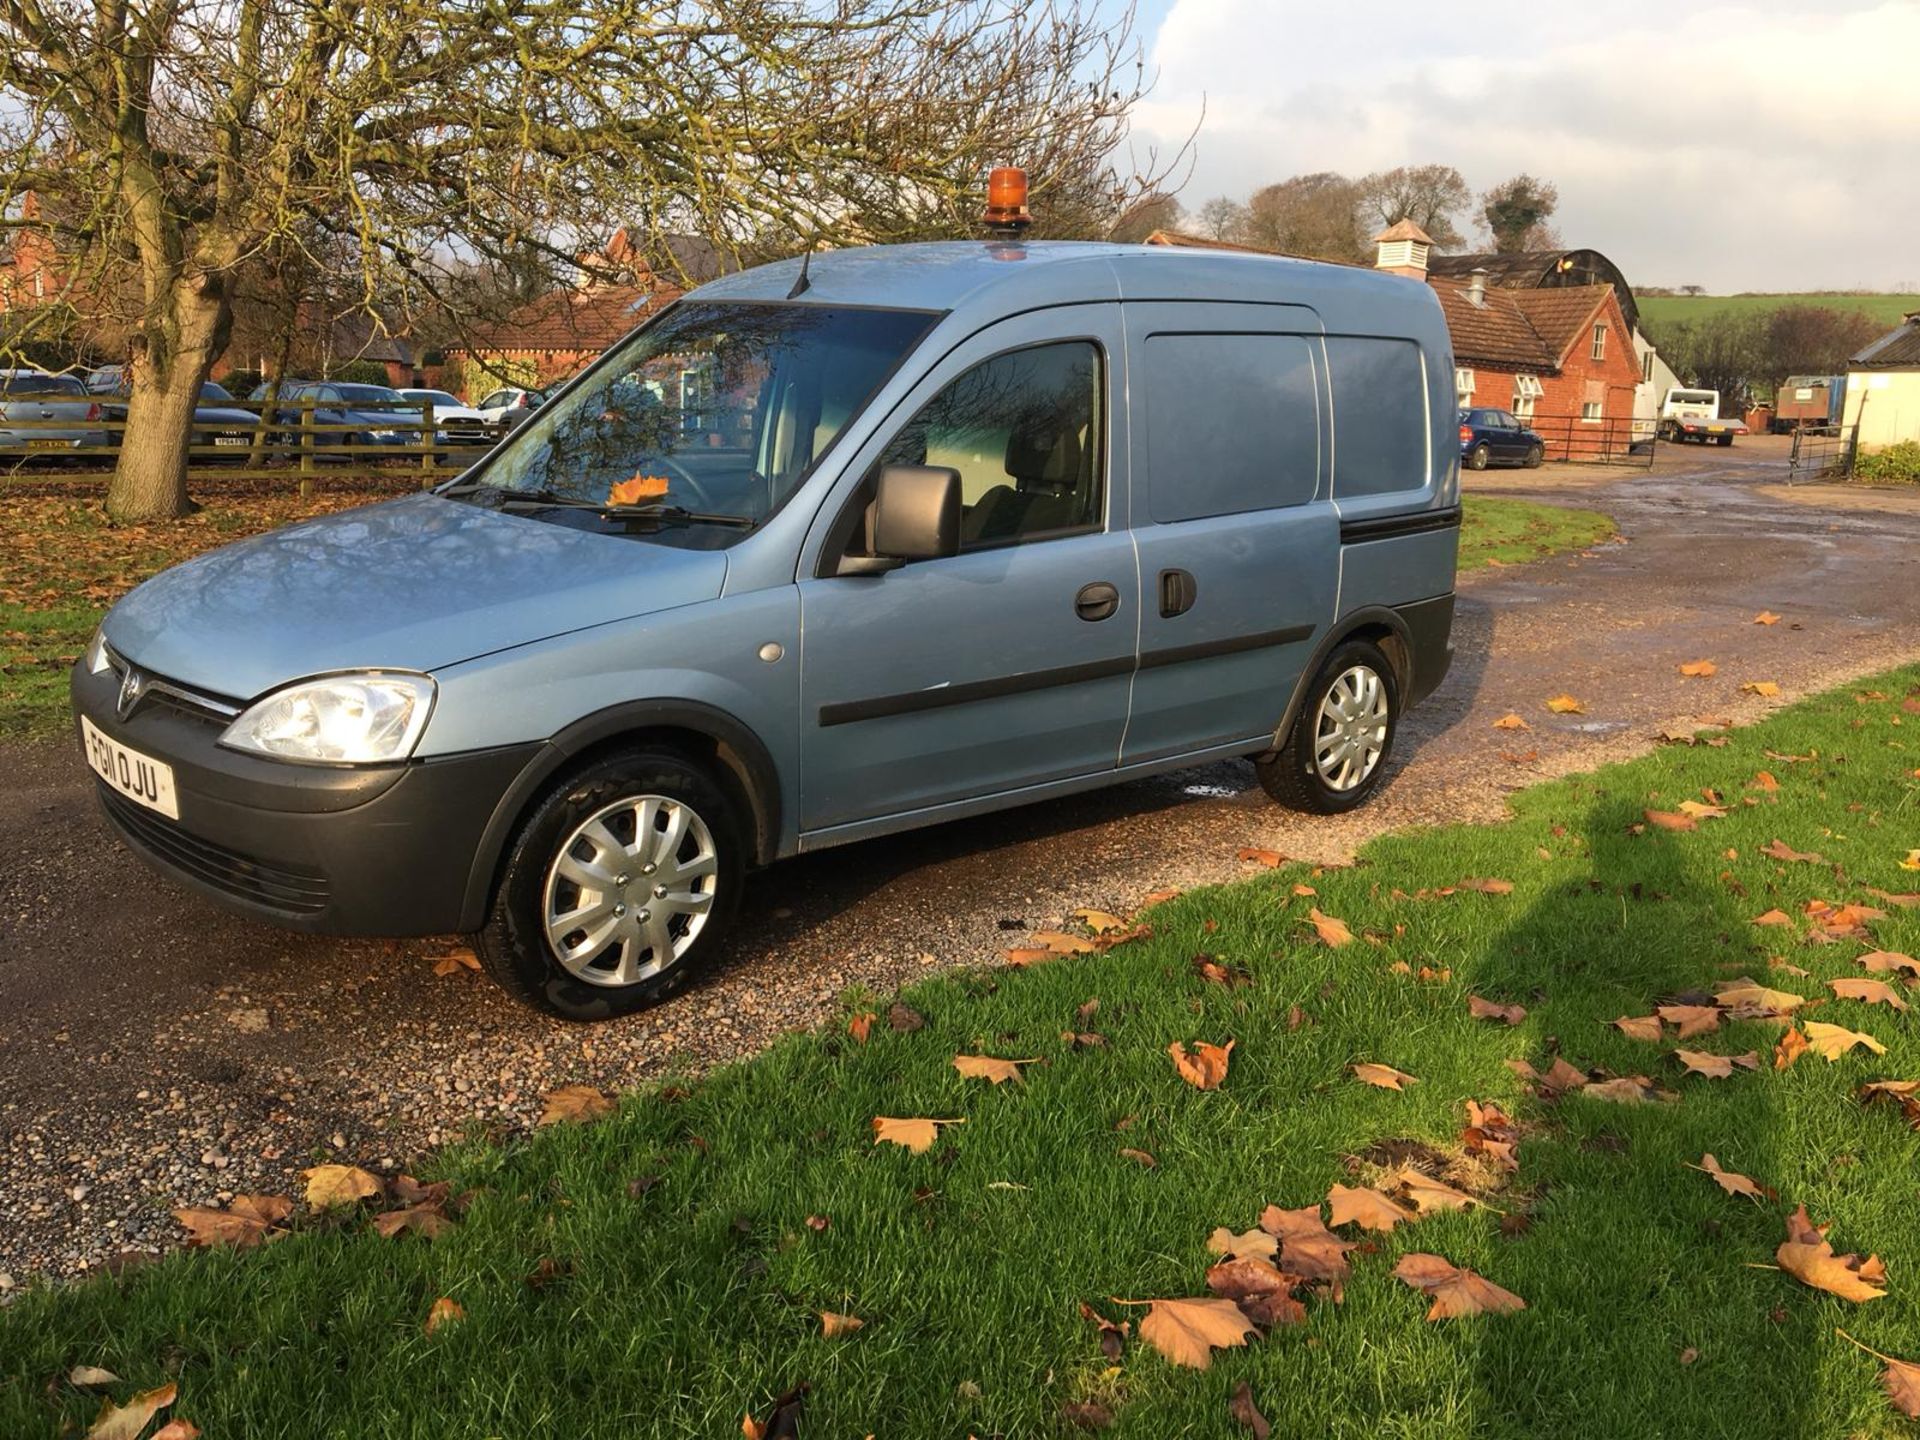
(1764, 145)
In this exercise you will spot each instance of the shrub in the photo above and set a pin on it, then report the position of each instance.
(1899, 464)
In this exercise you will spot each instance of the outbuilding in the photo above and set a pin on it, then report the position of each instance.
(1883, 389)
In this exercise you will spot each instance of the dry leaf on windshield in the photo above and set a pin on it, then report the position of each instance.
(1716, 1067)
(125, 1422)
(917, 1134)
(1511, 722)
(1727, 1180)
(247, 1220)
(1871, 992)
(1692, 1019)
(1206, 1067)
(1566, 705)
(1833, 1041)
(1369, 1209)
(1699, 668)
(1488, 1010)
(444, 1312)
(331, 1185)
(1806, 1255)
(833, 1323)
(1330, 930)
(986, 1067)
(1188, 1331)
(1252, 855)
(574, 1104)
(1885, 961)
(1455, 1290)
(1384, 1076)
(637, 489)
(1638, 1027)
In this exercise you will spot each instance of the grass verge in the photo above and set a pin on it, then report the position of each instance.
(1498, 530)
(662, 1272)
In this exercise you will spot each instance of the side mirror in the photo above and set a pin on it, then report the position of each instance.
(916, 516)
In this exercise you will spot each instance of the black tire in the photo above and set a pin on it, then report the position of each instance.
(1723, 439)
(1536, 456)
(513, 947)
(1669, 431)
(1477, 457)
(1291, 775)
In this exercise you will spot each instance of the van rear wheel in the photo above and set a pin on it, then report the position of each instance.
(619, 885)
(1335, 757)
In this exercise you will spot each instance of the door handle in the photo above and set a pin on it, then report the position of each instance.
(1177, 593)
(1096, 601)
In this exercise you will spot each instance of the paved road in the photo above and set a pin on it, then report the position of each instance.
(154, 1051)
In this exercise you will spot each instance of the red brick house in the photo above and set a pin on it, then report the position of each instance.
(30, 272)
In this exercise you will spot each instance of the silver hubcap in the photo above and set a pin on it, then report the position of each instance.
(631, 890)
(1352, 730)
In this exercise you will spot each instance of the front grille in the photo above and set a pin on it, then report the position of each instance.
(161, 693)
(285, 888)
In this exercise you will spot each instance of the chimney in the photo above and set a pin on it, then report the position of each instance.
(1477, 287)
(1401, 249)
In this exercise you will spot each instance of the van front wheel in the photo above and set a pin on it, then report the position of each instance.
(1336, 754)
(618, 886)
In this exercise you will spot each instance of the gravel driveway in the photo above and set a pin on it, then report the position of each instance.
(157, 1052)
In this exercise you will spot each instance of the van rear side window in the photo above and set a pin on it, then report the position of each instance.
(1379, 416)
(1233, 424)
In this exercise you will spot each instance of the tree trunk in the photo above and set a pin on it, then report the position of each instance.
(185, 332)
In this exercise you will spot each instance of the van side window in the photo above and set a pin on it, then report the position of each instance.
(1233, 424)
(1023, 429)
(1379, 416)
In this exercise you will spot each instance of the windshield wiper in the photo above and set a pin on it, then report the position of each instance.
(543, 499)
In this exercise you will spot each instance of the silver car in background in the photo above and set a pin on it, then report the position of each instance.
(43, 414)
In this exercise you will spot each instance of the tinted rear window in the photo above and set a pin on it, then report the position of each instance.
(1379, 416)
(1233, 424)
(360, 394)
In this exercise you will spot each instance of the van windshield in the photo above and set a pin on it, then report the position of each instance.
(715, 408)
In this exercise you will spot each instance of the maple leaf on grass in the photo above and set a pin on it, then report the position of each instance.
(783, 1421)
(1206, 1067)
(1752, 995)
(1426, 1194)
(1307, 1247)
(1715, 1067)
(1061, 943)
(987, 1067)
(126, 1422)
(1872, 992)
(1367, 1208)
(1638, 1027)
(916, 1135)
(177, 1430)
(1901, 1378)
(1263, 1292)
(1904, 1093)
(248, 1220)
(1692, 1019)
(1489, 1010)
(574, 1104)
(861, 1025)
(1728, 1180)
(833, 1323)
(1332, 932)
(1384, 1076)
(1833, 1041)
(1249, 1244)
(1780, 850)
(1806, 1255)
(1670, 820)
(1456, 1291)
(1791, 1047)
(1627, 1090)
(442, 1313)
(1099, 921)
(429, 1221)
(329, 1186)
(1884, 962)
(1187, 1332)
(1241, 1408)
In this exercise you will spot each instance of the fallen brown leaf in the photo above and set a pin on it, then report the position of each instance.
(1901, 1378)
(783, 1421)
(1628, 1090)
(442, 1313)
(1369, 1209)
(1670, 820)
(859, 1026)
(1806, 1255)
(1715, 1067)
(1638, 1027)
(1187, 1332)
(1247, 1245)
(574, 1104)
(1699, 668)
(1206, 1067)
(986, 1067)
(1140, 1158)
(1425, 1193)
(1099, 921)
(1692, 1019)
(454, 962)
(1240, 1407)
(1780, 850)
(1456, 1291)
(1774, 917)
(1760, 687)
(1833, 1041)
(332, 1185)
(1384, 1076)
(1871, 992)
(1061, 943)
(1330, 930)
(1763, 780)
(1511, 722)
(248, 1220)
(125, 1422)
(177, 1430)
(1884, 961)
(1566, 705)
(1253, 855)
(1307, 1247)
(916, 1134)
(833, 1323)
(1727, 1180)
(1750, 994)
(1766, 617)
(1791, 1047)
(1488, 1010)
(1904, 1093)
(1263, 1292)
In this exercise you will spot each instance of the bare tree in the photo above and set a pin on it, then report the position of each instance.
(185, 139)
(1515, 212)
(1155, 212)
(1432, 196)
(1222, 219)
(1317, 216)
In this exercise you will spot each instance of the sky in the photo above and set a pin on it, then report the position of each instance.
(1763, 145)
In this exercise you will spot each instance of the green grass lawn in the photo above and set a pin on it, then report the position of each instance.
(62, 565)
(656, 1274)
(1664, 309)
(1498, 530)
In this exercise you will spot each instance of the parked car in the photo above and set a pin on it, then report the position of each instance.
(48, 416)
(509, 409)
(1490, 437)
(1695, 415)
(383, 418)
(222, 430)
(454, 423)
(563, 703)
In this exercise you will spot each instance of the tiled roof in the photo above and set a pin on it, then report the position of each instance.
(1495, 333)
(1897, 350)
(1561, 315)
(587, 320)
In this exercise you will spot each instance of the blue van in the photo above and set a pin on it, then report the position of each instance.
(823, 551)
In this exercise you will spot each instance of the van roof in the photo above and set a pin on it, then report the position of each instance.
(1007, 276)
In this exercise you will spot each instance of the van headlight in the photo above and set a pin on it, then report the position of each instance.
(342, 719)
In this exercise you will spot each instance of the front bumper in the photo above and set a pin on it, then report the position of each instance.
(338, 850)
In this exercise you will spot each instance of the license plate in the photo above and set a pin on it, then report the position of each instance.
(141, 778)
(49, 444)
(1716, 429)
(230, 439)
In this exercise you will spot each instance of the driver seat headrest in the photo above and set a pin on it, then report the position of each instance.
(1043, 452)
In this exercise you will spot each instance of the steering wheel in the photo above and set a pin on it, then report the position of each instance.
(695, 491)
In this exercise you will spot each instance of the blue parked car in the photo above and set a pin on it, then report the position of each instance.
(382, 415)
(819, 553)
(1489, 437)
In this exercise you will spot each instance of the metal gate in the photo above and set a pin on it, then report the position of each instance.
(1822, 452)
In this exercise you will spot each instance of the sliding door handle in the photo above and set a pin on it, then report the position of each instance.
(1177, 593)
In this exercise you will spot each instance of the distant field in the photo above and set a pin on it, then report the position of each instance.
(1661, 309)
